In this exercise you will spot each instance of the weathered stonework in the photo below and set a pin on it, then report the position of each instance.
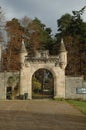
(42, 60)
(64, 87)
(4, 76)
(72, 85)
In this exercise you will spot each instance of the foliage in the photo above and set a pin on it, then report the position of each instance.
(41, 36)
(2, 21)
(25, 21)
(35, 34)
(81, 105)
(11, 53)
(12, 80)
(36, 86)
(59, 99)
(73, 30)
(64, 23)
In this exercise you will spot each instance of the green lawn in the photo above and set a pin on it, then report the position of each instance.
(81, 105)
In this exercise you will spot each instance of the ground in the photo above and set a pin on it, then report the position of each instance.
(40, 115)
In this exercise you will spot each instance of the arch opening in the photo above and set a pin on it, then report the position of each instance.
(42, 84)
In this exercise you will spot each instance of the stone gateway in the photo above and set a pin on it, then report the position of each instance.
(17, 85)
(55, 64)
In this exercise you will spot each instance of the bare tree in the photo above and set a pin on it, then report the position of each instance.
(25, 21)
(2, 36)
(2, 25)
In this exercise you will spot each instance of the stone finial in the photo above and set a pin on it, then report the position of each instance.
(62, 41)
(22, 41)
(23, 48)
(62, 46)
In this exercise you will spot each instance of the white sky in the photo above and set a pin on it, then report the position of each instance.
(48, 11)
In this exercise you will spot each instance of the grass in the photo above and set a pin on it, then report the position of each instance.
(59, 99)
(81, 105)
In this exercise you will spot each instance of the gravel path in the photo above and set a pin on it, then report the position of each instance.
(40, 115)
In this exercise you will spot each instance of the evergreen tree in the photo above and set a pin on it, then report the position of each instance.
(73, 30)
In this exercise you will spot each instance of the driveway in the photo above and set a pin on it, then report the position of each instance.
(40, 115)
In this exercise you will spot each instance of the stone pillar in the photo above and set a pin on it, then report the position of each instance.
(29, 87)
(59, 83)
(26, 82)
(23, 82)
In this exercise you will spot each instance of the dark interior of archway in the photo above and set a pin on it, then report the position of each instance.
(42, 84)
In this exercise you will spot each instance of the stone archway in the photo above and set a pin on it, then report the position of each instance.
(52, 63)
(26, 79)
(42, 84)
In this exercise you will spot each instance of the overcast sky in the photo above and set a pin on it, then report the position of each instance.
(48, 11)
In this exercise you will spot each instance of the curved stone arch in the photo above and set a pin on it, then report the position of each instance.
(58, 75)
(47, 68)
(53, 74)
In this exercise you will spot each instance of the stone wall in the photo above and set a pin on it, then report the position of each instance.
(72, 90)
(75, 88)
(84, 84)
(3, 82)
(2, 86)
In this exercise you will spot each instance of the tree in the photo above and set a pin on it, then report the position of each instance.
(45, 78)
(77, 30)
(13, 83)
(64, 23)
(35, 35)
(36, 85)
(25, 21)
(73, 30)
(2, 32)
(11, 57)
(40, 36)
(2, 24)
